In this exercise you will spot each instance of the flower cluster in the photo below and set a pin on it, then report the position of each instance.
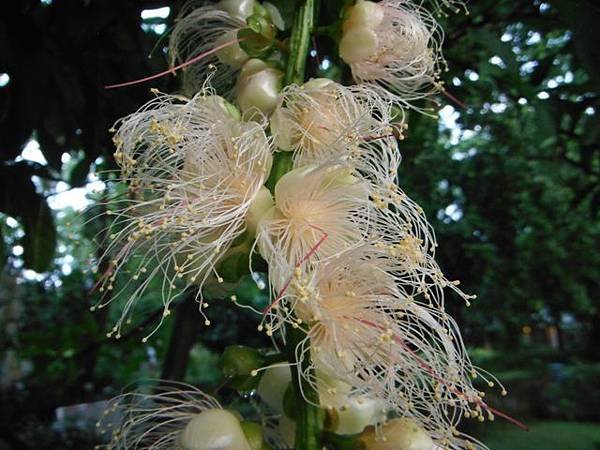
(351, 258)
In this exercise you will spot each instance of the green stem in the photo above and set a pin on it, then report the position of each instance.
(309, 418)
(300, 43)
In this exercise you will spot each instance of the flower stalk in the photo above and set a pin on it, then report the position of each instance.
(309, 417)
(309, 420)
(299, 43)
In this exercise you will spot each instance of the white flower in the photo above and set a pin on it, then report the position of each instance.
(201, 30)
(364, 331)
(394, 46)
(195, 174)
(324, 121)
(176, 417)
(319, 212)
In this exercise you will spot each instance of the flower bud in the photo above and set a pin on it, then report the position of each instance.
(260, 205)
(273, 385)
(358, 44)
(354, 414)
(363, 14)
(258, 87)
(238, 8)
(258, 38)
(348, 414)
(239, 360)
(232, 55)
(275, 15)
(254, 434)
(214, 428)
(400, 434)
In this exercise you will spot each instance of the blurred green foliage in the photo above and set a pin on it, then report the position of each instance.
(543, 435)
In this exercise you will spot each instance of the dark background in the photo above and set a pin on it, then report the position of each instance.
(509, 177)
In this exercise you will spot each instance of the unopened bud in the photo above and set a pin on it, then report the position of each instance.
(273, 385)
(239, 360)
(262, 203)
(399, 434)
(241, 9)
(258, 87)
(214, 428)
(254, 434)
(232, 55)
(258, 38)
(363, 14)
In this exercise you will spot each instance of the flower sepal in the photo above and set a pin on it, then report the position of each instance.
(258, 38)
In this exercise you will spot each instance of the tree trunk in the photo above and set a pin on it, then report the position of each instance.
(184, 336)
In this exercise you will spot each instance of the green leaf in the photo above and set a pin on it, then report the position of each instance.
(39, 241)
(504, 50)
(583, 17)
(20, 200)
(79, 173)
(591, 129)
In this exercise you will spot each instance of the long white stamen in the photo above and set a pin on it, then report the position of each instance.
(193, 170)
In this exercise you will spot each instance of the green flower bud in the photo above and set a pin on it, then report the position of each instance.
(258, 38)
(239, 364)
(275, 15)
(239, 360)
(254, 434)
(261, 25)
